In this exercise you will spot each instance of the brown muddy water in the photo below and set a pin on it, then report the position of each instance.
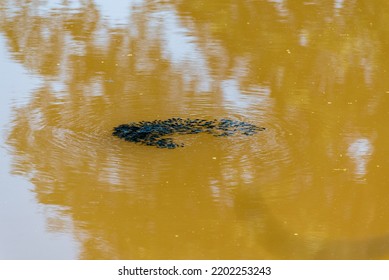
(313, 185)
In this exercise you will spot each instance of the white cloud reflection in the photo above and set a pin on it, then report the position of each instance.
(360, 151)
(182, 49)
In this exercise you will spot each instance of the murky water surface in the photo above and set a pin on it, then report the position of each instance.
(313, 185)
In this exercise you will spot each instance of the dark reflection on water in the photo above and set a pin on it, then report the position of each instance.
(293, 191)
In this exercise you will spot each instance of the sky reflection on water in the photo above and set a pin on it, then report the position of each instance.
(310, 186)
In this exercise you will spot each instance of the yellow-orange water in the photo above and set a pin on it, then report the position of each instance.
(314, 185)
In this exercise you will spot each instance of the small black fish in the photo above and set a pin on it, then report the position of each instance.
(152, 133)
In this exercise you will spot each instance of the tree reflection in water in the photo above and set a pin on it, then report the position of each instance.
(313, 74)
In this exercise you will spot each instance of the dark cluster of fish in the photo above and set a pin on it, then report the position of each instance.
(152, 133)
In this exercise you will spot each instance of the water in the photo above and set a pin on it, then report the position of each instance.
(313, 185)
